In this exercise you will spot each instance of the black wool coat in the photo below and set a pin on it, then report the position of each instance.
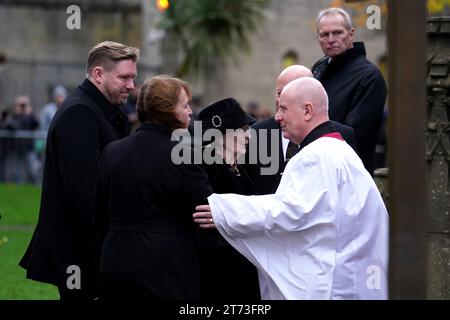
(80, 129)
(144, 212)
(357, 92)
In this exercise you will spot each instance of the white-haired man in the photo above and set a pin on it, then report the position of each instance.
(355, 87)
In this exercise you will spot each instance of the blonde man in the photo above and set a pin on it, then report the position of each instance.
(61, 250)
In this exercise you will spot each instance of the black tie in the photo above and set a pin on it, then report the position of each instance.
(292, 149)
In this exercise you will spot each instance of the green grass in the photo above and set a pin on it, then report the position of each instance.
(19, 206)
(14, 285)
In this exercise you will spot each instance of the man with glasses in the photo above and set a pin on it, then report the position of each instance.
(355, 86)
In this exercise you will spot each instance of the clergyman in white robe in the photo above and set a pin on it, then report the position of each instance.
(322, 235)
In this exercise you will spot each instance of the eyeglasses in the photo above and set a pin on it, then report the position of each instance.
(337, 34)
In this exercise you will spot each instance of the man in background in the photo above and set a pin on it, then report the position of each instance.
(355, 87)
(49, 110)
(278, 148)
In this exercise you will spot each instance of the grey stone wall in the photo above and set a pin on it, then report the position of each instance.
(41, 52)
(438, 156)
(289, 25)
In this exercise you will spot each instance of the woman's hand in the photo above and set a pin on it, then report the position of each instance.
(203, 217)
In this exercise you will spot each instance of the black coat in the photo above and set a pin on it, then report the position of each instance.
(357, 93)
(346, 132)
(145, 205)
(225, 274)
(266, 184)
(81, 128)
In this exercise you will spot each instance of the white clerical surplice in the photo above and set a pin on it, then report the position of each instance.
(322, 235)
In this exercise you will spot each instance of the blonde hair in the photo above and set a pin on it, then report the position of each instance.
(107, 53)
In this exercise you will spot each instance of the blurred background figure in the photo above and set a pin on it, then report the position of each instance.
(258, 111)
(3, 114)
(196, 106)
(265, 113)
(48, 110)
(4, 141)
(253, 109)
(21, 163)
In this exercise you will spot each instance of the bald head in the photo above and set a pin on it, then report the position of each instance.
(287, 75)
(308, 90)
(303, 106)
(294, 72)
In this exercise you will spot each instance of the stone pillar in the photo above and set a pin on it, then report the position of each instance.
(407, 166)
(438, 156)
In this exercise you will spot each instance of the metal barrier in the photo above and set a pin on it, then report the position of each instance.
(22, 156)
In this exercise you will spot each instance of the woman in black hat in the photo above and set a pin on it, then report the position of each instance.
(224, 273)
(145, 202)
